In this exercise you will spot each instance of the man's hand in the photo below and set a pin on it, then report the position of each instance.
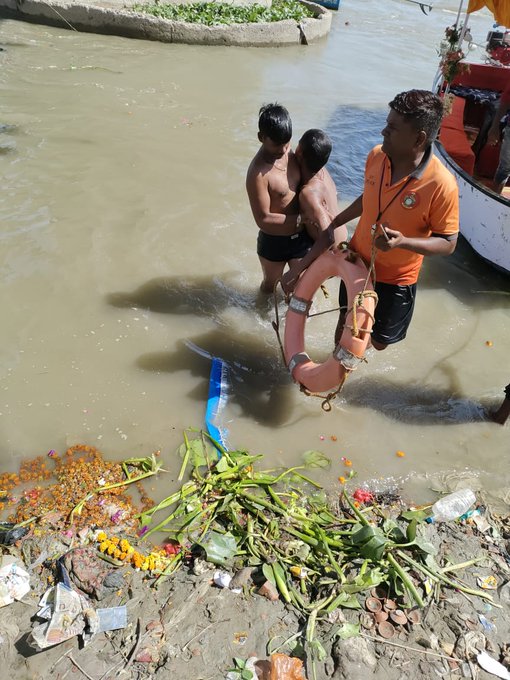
(329, 237)
(388, 238)
(289, 281)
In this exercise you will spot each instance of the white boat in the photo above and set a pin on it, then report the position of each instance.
(484, 214)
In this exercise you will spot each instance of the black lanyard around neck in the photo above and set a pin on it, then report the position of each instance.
(380, 212)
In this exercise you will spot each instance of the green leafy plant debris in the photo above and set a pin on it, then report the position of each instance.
(218, 13)
(319, 555)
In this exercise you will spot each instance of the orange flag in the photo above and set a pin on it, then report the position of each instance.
(499, 8)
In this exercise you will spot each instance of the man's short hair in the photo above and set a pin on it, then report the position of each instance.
(422, 108)
(316, 147)
(275, 123)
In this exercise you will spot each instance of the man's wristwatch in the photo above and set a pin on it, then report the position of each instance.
(298, 222)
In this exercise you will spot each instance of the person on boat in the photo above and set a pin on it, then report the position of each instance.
(502, 414)
(272, 183)
(318, 200)
(503, 170)
(409, 209)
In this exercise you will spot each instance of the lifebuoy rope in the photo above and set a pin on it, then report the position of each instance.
(302, 306)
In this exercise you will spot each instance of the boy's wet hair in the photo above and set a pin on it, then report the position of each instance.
(422, 108)
(275, 123)
(316, 147)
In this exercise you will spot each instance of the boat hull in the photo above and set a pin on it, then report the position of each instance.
(484, 216)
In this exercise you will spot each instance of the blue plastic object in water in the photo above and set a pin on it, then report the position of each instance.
(216, 400)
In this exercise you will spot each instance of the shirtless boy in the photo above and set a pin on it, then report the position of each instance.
(272, 183)
(318, 200)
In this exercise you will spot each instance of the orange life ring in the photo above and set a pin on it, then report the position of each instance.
(358, 324)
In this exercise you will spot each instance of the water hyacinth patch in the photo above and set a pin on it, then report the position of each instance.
(223, 13)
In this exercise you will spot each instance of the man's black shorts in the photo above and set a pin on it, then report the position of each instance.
(283, 248)
(393, 313)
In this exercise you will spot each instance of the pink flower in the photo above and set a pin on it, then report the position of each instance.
(363, 496)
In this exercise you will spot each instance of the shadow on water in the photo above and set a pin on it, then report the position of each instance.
(467, 276)
(415, 404)
(353, 131)
(258, 383)
(205, 295)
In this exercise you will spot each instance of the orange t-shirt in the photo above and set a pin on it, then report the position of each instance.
(423, 204)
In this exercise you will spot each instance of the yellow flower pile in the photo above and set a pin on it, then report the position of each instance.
(121, 549)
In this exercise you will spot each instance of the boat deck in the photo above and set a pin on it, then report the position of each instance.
(464, 130)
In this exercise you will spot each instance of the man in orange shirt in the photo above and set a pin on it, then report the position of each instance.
(408, 209)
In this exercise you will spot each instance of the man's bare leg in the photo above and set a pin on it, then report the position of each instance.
(272, 272)
(379, 346)
(503, 412)
(498, 188)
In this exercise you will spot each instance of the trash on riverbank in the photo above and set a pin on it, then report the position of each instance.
(345, 579)
(14, 580)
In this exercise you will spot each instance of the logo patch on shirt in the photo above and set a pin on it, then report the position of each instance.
(410, 200)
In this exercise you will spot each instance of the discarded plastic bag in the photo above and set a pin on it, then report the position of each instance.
(14, 581)
(68, 613)
(492, 666)
(285, 667)
(112, 618)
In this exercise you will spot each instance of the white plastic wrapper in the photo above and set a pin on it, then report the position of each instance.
(14, 581)
(222, 579)
(492, 666)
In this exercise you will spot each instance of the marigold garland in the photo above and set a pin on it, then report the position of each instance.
(122, 550)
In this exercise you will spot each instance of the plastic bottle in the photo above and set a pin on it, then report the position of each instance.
(452, 506)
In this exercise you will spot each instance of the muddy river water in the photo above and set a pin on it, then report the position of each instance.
(127, 254)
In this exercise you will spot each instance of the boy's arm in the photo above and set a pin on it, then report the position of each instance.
(315, 214)
(312, 212)
(325, 240)
(260, 202)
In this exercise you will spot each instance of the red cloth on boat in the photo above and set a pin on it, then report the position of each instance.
(453, 137)
(486, 76)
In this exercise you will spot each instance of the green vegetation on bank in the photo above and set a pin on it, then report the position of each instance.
(216, 13)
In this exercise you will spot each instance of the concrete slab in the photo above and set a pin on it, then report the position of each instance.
(116, 17)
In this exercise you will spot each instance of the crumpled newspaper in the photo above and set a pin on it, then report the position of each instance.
(14, 580)
(68, 614)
